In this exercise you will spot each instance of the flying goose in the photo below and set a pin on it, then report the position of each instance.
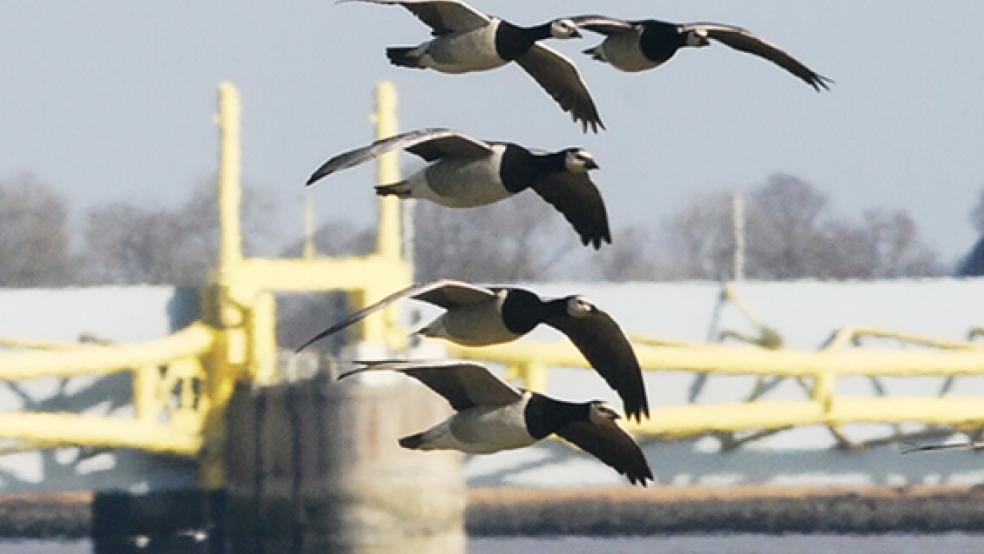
(640, 45)
(468, 40)
(467, 172)
(492, 415)
(480, 316)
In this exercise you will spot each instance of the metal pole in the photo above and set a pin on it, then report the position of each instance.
(738, 219)
(230, 239)
(387, 171)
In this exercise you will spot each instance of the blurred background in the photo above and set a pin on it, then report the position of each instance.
(746, 209)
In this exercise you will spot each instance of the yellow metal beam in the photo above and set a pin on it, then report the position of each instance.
(35, 344)
(694, 419)
(847, 334)
(108, 432)
(319, 274)
(194, 340)
(751, 361)
(387, 171)
(230, 193)
(948, 410)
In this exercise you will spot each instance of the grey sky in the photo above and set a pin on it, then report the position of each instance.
(113, 100)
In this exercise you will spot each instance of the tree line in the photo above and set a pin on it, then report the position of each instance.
(791, 231)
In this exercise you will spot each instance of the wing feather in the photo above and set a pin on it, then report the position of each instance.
(744, 41)
(463, 384)
(579, 200)
(599, 338)
(559, 77)
(612, 445)
(602, 24)
(429, 144)
(444, 293)
(442, 16)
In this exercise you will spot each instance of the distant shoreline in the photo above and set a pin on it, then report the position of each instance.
(739, 509)
(619, 511)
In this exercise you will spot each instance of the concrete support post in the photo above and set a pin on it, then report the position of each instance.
(315, 466)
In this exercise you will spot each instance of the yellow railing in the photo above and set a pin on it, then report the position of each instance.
(528, 362)
(167, 374)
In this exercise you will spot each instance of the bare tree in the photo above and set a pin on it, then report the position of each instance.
(630, 257)
(973, 262)
(698, 243)
(518, 239)
(790, 234)
(131, 244)
(977, 214)
(128, 244)
(337, 238)
(785, 236)
(33, 237)
(897, 249)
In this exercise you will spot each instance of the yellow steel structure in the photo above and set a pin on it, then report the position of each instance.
(166, 372)
(182, 383)
(242, 302)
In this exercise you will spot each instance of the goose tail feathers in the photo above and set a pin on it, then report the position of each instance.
(403, 56)
(412, 442)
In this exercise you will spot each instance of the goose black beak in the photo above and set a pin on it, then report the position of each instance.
(576, 34)
(591, 164)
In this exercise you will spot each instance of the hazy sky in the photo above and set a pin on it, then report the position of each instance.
(113, 101)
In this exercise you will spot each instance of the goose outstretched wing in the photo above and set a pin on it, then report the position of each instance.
(602, 24)
(442, 16)
(444, 293)
(559, 77)
(745, 41)
(599, 338)
(463, 384)
(429, 144)
(578, 199)
(611, 444)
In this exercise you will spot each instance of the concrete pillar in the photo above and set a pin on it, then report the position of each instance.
(314, 466)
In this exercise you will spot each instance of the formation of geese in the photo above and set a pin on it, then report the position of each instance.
(490, 414)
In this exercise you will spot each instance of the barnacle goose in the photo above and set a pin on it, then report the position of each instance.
(468, 40)
(492, 415)
(466, 172)
(480, 316)
(640, 45)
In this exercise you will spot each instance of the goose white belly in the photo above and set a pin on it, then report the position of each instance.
(462, 182)
(482, 430)
(477, 325)
(462, 52)
(622, 50)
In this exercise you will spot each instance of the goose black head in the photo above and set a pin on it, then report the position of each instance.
(698, 37)
(564, 28)
(600, 413)
(579, 160)
(578, 307)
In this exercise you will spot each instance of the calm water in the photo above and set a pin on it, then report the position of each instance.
(945, 543)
